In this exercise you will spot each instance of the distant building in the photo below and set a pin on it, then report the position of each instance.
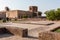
(33, 9)
(33, 12)
(2, 14)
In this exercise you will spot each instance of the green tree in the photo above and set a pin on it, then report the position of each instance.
(50, 15)
(58, 14)
(53, 14)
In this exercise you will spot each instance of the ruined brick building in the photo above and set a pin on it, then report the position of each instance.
(31, 13)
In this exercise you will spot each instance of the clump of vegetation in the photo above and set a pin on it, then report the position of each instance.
(53, 14)
(58, 30)
(7, 19)
(4, 20)
(25, 16)
(16, 19)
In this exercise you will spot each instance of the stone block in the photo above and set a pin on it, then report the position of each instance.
(49, 36)
(18, 31)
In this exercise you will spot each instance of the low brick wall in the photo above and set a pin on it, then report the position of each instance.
(49, 36)
(18, 31)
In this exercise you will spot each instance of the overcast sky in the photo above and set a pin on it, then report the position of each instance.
(43, 5)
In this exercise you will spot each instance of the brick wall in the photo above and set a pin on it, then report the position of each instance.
(11, 14)
(49, 36)
(2, 14)
(18, 31)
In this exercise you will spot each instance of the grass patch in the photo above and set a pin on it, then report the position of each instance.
(58, 30)
(1, 21)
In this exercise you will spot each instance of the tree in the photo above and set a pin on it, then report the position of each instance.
(53, 14)
(7, 8)
(50, 15)
(58, 14)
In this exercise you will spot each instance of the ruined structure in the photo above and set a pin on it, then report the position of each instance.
(33, 12)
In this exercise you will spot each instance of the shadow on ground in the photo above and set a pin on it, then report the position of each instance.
(31, 37)
(39, 24)
(5, 35)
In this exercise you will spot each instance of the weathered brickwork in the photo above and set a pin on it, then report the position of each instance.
(18, 31)
(49, 36)
(2, 15)
(32, 12)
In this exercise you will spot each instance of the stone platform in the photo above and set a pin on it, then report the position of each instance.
(30, 29)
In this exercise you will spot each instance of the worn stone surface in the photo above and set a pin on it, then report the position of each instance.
(17, 38)
(49, 36)
(18, 31)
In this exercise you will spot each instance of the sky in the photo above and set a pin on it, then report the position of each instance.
(43, 5)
